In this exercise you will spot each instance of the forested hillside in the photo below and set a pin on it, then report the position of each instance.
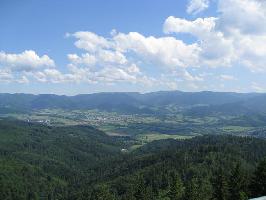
(138, 103)
(208, 167)
(80, 162)
(39, 160)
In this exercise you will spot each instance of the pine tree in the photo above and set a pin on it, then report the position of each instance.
(258, 183)
(176, 190)
(102, 192)
(192, 190)
(140, 192)
(237, 184)
(32, 196)
(220, 186)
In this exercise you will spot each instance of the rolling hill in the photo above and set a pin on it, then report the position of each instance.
(80, 162)
(206, 102)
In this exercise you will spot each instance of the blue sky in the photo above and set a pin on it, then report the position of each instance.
(85, 46)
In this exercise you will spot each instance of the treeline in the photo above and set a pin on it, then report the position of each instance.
(82, 163)
(41, 162)
(204, 168)
(236, 186)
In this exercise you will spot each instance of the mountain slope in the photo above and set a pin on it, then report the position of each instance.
(80, 162)
(49, 159)
(133, 102)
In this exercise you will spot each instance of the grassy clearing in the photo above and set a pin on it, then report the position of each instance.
(146, 138)
(236, 128)
(157, 136)
(134, 147)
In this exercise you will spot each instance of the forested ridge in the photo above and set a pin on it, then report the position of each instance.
(208, 167)
(38, 160)
(205, 102)
(81, 162)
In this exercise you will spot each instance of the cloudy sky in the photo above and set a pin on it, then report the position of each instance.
(85, 46)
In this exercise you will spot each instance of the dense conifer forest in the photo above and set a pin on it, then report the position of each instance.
(81, 162)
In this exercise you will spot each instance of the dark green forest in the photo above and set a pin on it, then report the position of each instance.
(81, 162)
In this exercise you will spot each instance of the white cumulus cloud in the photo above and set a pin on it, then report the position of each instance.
(235, 36)
(25, 61)
(197, 6)
(90, 41)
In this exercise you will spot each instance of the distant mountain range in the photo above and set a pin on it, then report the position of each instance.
(155, 102)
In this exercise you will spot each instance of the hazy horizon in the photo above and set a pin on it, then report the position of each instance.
(110, 92)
